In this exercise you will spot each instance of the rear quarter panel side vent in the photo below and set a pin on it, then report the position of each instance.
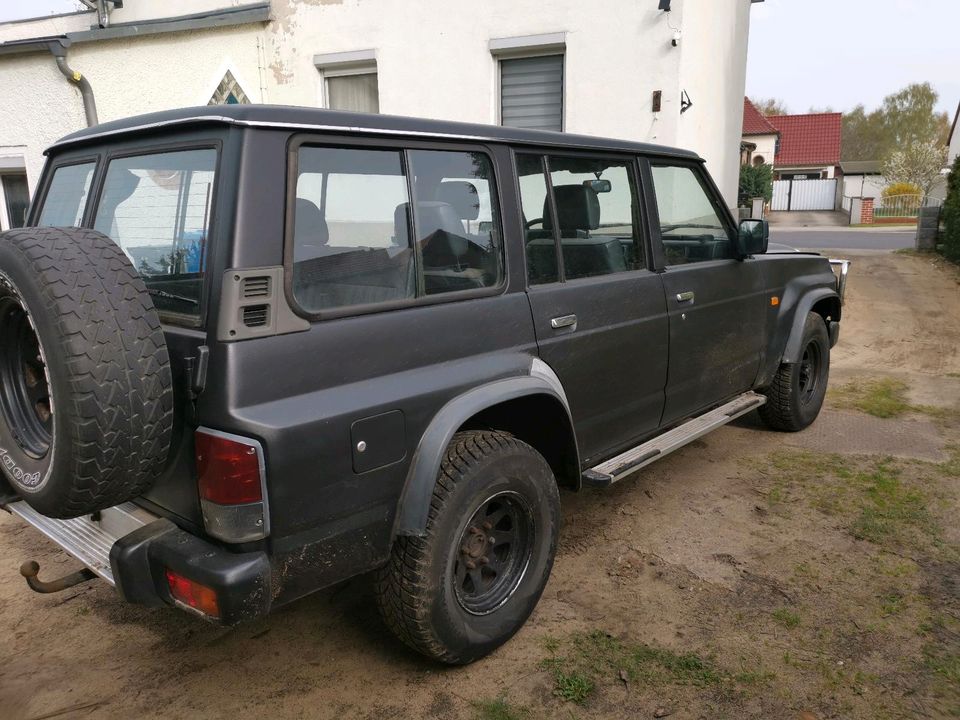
(256, 315)
(252, 305)
(257, 286)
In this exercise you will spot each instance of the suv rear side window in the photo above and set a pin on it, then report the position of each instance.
(67, 196)
(690, 225)
(352, 239)
(597, 211)
(157, 209)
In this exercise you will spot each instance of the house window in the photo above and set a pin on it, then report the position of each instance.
(531, 92)
(229, 92)
(16, 199)
(350, 81)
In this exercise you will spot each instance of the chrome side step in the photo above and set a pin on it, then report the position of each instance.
(89, 541)
(628, 462)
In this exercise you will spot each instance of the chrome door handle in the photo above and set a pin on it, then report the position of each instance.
(685, 296)
(564, 321)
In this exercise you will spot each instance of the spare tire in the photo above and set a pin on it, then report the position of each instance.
(86, 397)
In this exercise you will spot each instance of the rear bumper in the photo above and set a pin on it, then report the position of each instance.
(132, 550)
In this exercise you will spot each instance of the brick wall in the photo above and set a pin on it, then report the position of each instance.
(866, 211)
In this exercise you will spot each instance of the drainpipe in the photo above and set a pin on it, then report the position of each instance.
(59, 51)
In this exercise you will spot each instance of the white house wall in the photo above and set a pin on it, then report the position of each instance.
(433, 60)
(712, 71)
(766, 146)
(129, 77)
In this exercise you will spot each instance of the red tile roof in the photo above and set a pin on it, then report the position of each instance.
(754, 123)
(812, 139)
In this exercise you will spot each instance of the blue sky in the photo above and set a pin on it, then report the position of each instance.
(809, 53)
(839, 53)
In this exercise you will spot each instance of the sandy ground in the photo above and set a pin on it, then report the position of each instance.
(751, 574)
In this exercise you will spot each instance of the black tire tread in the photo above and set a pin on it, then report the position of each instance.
(120, 407)
(780, 412)
(402, 585)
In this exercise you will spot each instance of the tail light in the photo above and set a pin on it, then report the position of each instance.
(230, 476)
(192, 594)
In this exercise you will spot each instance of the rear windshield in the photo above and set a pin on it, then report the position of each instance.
(156, 207)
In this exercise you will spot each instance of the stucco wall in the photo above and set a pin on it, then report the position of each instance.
(766, 146)
(433, 60)
(712, 71)
(128, 77)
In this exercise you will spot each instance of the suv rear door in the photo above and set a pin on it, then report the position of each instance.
(715, 300)
(599, 312)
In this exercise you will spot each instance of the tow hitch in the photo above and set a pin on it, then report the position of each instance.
(31, 569)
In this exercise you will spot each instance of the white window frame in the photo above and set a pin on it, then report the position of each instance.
(343, 64)
(10, 164)
(528, 46)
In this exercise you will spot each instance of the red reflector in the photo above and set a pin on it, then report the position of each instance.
(193, 594)
(228, 470)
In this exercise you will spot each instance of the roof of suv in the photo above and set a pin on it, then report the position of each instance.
(304, 118)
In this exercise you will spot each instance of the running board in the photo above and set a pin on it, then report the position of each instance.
(627, 463)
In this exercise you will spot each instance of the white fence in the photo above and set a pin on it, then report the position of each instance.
(804, 195)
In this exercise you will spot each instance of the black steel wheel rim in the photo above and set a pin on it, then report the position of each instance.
(810, 364)
(493, 553)
(25, 402)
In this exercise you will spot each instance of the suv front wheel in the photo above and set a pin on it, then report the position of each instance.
(471, 581)
(796, 394)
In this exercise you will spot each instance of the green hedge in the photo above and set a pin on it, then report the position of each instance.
(755, 181)
(951, 214)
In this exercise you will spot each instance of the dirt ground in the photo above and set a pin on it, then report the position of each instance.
(752, 574)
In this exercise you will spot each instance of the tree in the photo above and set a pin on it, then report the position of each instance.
(755, 181)
(951, 214)
(770, 106)
(904, 118)
(919, 164)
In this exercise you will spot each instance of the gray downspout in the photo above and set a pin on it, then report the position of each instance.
(59, 51)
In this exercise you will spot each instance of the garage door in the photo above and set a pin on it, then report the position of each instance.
(804, 195)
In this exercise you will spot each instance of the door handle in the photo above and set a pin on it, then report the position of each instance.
(685, 296)
(564, 321)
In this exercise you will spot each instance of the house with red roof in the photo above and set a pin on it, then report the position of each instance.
(800, 147)
(759, 143)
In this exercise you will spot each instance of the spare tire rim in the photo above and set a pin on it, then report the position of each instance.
(25, 402)
(493, 553)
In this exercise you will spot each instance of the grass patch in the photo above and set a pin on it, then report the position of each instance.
(892, 603)
(880, 397)
(586, 661)
(786, 617)
(499, 709)
(892, 513)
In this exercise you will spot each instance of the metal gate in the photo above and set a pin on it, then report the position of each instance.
(804, 195)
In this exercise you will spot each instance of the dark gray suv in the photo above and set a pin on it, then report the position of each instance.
(250, 351)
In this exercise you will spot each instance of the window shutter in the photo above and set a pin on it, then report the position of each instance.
(531, 92)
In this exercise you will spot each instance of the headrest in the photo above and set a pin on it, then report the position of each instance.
(309, 226)
(441, 232)
(578, 208)
(463, 196)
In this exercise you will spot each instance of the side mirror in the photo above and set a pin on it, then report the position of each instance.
(754, 236)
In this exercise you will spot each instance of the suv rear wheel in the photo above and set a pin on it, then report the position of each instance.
(796, 394)
(470, 583)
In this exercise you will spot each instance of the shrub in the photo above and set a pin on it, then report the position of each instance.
(755, 181)
(901, 188)
(951, 214)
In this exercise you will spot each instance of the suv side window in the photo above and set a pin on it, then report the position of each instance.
(66, 197)
(691, 226)
(352, 239)
(596, 206)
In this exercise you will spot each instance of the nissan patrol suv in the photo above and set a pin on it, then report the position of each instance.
(251, 351)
